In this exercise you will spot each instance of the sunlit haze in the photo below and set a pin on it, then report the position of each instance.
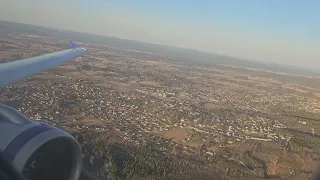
(285, 32)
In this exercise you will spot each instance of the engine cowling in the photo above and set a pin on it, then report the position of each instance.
(37, 150)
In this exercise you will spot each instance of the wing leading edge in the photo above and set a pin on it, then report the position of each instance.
(17, 70)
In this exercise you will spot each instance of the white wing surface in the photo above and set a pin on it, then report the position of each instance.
(11, 72)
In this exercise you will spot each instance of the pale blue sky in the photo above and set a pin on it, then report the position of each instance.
(281, 31)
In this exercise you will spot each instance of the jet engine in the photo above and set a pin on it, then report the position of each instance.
(37, 150)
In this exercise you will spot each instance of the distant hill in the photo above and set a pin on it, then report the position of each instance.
(172, 53)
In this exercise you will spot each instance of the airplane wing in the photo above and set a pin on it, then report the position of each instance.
(17, 70)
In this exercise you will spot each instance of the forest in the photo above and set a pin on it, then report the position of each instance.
(109, 157)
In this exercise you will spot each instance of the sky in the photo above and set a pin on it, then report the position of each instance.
(277, 31)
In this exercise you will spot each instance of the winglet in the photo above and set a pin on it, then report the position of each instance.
(73, 45)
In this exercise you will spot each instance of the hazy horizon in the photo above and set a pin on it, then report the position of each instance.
(283, 32)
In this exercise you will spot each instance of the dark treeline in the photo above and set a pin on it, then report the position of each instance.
(109, 157)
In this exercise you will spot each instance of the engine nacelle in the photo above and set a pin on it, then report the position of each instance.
(37, 150)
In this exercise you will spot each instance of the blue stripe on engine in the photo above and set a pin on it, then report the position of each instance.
(19, 141)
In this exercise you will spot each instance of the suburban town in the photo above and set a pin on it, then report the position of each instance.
(144, 97)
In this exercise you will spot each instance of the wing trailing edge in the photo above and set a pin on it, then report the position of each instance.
(11, 72)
